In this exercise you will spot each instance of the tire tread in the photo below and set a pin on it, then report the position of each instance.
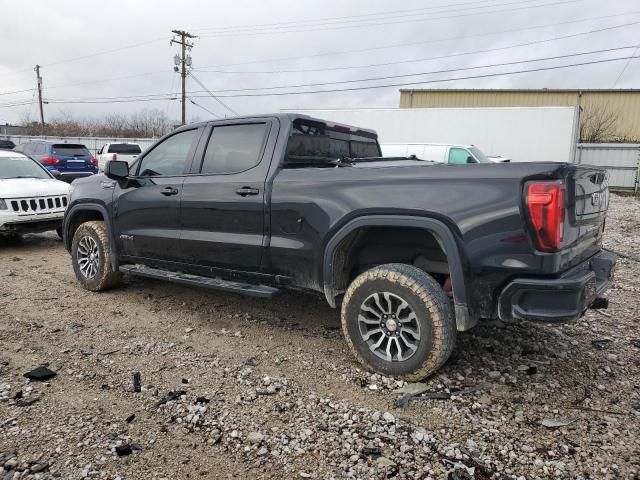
(109, 278)
(435, 300)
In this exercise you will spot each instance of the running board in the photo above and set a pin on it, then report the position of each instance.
(262, 291)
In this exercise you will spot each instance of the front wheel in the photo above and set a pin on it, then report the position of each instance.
(91, 257)
(397, 321)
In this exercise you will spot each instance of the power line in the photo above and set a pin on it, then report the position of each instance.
(18, 91)
(88, 82)
(352, 18)
(370, 87)
(426, 42)
(626, 65)
(348, 67)
(203, 108)
(404, 21)
(110, 101)
(212, 94)
(440, 57)
(470, 77)
(431, 72)
(104, 52)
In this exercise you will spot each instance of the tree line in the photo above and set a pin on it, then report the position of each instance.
(151, 123)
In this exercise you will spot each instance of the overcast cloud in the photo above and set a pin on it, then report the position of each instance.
(55, 34)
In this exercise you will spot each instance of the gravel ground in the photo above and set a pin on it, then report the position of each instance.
(235, 387)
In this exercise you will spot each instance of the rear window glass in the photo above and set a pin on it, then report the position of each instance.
(313, 142)
(69, 150)
(125, 148)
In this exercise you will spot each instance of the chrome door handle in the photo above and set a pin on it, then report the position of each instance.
(245, 191)
(167, 191)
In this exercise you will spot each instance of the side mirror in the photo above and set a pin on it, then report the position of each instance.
(56, 174)
(117, 170)
(470, 159)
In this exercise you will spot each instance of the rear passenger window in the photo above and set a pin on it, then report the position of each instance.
(234, 148)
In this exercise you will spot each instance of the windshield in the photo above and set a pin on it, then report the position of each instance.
(481, 157)
(313, 141)
(124, 148)
(21, 167)
(69, 150)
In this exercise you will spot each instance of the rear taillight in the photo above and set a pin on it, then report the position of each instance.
(545, 202)
(93, 161)
(114, 157)
(50, 161)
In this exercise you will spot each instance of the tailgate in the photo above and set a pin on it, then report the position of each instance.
(587, 203)
(590, 194)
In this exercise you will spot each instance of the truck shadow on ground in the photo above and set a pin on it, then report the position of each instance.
(510, 355)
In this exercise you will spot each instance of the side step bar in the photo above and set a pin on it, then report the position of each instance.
(262, 291)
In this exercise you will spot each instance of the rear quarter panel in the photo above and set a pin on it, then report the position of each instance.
(480, 203)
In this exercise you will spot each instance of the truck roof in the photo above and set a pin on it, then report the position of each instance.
(290, 118)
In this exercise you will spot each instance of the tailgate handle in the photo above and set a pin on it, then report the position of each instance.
(244, 191)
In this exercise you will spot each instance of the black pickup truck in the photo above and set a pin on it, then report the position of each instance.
(412, 250)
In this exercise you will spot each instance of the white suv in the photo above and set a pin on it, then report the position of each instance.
(31, 199)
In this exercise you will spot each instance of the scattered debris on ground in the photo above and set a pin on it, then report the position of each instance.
(231, 387)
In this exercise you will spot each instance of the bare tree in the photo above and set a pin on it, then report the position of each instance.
(600, 124)
(145, 123)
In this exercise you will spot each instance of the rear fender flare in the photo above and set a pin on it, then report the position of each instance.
(464, 319)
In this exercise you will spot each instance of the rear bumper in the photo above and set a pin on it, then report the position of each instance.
(560, 299)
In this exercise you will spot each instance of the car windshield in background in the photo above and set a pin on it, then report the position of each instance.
(20, 167)
(313, 142)
(69, 150)
(124, 148)
(481, 157)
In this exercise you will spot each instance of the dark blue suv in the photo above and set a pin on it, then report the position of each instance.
(72, 160)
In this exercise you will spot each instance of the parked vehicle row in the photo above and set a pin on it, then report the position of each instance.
(412, 250)
(74, 160)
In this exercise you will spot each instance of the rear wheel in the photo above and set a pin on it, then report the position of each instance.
(91, 257)
(397, 321)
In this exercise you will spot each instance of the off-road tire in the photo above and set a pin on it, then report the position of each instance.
(431, 306)
(105, 276)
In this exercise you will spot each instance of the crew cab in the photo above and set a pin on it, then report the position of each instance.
(126, 152)
(412, 251)
(31, 199)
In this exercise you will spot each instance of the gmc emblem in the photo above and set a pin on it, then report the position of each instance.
(596, 198)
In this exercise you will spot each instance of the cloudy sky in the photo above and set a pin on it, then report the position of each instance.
(115, 56)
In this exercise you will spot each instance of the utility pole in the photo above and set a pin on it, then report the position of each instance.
(37, 69)
(184, 61)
